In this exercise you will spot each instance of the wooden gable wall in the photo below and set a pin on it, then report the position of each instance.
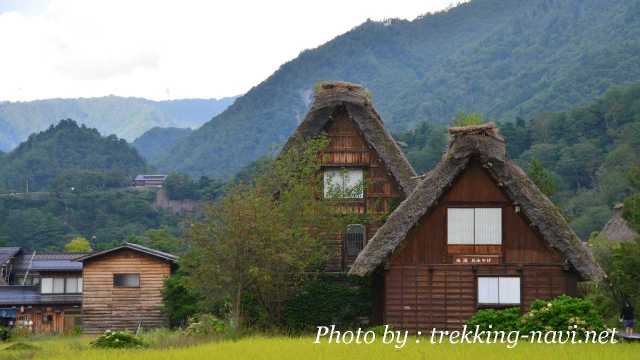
(348, 148)
(426, 243)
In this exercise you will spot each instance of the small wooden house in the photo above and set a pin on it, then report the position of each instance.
(361, 151)
(123, 288)
(475, 233)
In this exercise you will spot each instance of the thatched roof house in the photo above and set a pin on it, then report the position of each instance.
(617, 228)
(483, 143)
(332, 95)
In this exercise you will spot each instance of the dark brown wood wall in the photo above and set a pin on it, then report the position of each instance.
(348, 148)
(425, 289)
(64, 318)
(107, 307)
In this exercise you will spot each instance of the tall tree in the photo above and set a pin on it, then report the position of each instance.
(265, 236)
(542, 178)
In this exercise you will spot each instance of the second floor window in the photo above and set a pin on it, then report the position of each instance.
(126, 280)
(61, 285)
(474, 226)
(354, 239)
(343, 183)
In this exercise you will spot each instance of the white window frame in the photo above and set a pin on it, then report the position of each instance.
(340, 180)
(469, 226)
(499, 290)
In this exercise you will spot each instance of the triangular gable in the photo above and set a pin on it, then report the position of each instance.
(489, 149)
(332, 95)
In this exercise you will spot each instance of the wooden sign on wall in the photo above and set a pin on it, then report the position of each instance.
(476, 259)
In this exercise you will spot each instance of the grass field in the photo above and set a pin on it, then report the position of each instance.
(282, 348)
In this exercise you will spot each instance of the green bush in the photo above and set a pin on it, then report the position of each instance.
(500, 320)
(179, 302)
(330, 299)
(205, 325)
(5, 333)
(561, 314)
(118, 340)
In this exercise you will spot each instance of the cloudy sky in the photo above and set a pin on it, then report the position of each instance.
(167, 49)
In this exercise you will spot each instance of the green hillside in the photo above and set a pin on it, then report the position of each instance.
(66, 153)
(127, 118)
(156, 142)
(500, 58)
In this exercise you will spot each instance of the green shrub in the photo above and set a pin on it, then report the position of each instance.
(5, 333)
(179, 302)
(505, 320)
(118, 340)
(561, 314)
(330, 299)
(205, 325)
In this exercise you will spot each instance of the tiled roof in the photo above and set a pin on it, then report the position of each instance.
(50, 261)
(30, 295)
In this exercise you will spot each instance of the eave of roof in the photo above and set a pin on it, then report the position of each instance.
(131, 246)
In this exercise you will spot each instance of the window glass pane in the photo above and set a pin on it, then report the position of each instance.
(46, 285)
(343, 183)
(79, 285)
(354, 239)
(332, 183)
(72, 286)
(509, 290)
(126, 280)
(460, 226)
(353, 184)
(488, 290)
(488, 226)
(58, 285)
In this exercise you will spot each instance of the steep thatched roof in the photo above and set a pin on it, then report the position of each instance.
(485, 144)
(617, 228)
(355, 99)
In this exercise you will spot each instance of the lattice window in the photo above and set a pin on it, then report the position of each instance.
(354, 239)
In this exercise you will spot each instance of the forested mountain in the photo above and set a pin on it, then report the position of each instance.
(586, 152)
(66, 153)
(502, 58)
(156, 142)
(127, 118)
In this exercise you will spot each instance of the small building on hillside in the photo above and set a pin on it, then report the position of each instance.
(617, 228)
(475, 233)
(149, 180)
(361, 155)
(123, 288)
(42, 292)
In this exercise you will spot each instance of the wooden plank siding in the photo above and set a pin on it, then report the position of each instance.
(348, 148)
(107, 307)
(423, 288)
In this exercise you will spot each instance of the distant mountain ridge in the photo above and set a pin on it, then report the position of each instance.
(505, 59)
(126, 117)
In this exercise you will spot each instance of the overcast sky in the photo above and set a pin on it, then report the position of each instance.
(168, 49)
